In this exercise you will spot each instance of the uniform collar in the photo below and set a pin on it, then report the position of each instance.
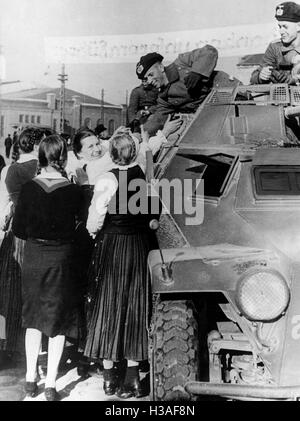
(50, 175)
(287, 48)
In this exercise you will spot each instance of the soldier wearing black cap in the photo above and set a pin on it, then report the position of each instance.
(280, 61)
(183, 84)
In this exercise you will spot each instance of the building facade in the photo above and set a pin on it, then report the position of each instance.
(40, 107)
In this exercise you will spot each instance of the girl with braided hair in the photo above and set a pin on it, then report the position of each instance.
(12, 179)
(117, 329)
(46, 216)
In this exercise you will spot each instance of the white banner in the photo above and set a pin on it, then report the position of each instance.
(230, 41)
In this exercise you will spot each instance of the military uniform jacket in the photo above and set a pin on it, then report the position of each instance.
(139, 99)
(278, 56)
(175, 95)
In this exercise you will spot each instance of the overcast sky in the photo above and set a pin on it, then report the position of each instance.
(25, 24)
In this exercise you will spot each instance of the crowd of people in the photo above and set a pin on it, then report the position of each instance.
(70, 268)
(73, 260)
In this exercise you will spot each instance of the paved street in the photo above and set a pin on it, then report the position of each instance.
(70, 385)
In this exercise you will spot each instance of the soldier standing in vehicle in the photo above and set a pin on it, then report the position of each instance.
(278, 63)
(183, 85)
(142, 103)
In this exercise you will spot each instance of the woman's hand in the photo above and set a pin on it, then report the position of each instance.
(81, 177)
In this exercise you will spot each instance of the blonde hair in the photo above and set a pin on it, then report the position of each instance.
(123, 146)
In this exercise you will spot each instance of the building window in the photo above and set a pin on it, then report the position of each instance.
(111, 127)
(54, 124)
(21, 118)
(32, 119)
(38, 119)
(26, 118)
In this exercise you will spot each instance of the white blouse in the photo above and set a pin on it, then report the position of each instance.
(106, 184)
(104, 164)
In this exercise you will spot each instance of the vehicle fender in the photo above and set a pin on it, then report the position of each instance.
(208, 268)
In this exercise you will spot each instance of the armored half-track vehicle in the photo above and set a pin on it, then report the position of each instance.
(226, 289)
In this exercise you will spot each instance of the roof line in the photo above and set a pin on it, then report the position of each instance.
(46, 102)
(24, 99)
(100, 105)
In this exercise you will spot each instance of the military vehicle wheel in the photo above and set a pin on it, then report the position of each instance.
(175, 356)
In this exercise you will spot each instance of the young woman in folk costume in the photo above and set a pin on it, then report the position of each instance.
(13, 177)
(117, 328)
(46, 217)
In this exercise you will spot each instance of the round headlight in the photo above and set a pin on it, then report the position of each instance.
(263, 295)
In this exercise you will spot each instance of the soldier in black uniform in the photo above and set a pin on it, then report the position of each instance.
(183, 84)
(142, 103)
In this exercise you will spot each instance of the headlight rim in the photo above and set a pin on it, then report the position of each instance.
(248, 274)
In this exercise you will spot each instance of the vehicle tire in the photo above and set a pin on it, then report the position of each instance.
(175, 350)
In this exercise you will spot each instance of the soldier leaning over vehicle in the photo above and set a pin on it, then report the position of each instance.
(183, 84)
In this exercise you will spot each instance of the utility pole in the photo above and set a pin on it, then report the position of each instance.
(126, 108)
(102, 106)
(62, 78)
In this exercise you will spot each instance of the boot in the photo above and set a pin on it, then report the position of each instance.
(51, 394)
(83, 366)
(111, 381)
(31, 389)
(131, 386)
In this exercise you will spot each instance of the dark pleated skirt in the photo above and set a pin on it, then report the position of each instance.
(11, 254)
(118, 323)
(50, 293)
(83, 251)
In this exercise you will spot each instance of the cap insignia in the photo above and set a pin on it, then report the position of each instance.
(139, 69)
(279, 11)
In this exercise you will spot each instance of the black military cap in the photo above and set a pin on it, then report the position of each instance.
(288, 11)
(146, 62)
